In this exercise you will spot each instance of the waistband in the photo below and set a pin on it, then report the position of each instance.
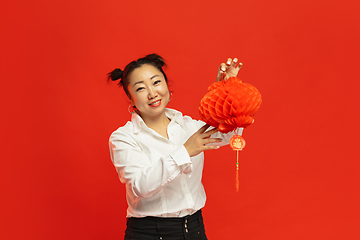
(170, 227)
(187, 218)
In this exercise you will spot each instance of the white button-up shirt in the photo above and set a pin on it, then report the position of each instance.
(161, 178)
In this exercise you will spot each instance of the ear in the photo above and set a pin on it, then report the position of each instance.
(129, 97)
(131, 102)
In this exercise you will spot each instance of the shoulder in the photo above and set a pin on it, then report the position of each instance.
(123, 132)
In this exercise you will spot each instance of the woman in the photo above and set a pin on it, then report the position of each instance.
(159, 155)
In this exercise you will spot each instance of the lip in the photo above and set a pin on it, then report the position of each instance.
(155, 105)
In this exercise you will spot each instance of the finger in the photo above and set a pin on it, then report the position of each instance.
(234, 62)
(211, 147)
(221, 71)
(203, 128)
(210, 132)
(229, 61)
(223, 67)
(212, 140)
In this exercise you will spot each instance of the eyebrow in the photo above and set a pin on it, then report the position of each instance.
(138, 82)
(154, 76)
(150, 79)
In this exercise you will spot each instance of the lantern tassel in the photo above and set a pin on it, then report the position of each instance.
(237, 172)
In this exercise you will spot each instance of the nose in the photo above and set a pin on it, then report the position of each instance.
(152, 93)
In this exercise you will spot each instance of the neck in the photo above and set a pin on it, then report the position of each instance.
(159, 124)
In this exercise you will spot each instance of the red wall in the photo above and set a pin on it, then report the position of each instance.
(299, 172)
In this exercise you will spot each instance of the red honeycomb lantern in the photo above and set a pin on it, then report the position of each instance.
(230, 105)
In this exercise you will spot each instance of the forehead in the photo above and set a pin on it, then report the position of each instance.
(143, 73)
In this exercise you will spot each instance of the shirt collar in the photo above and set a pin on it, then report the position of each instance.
(174, 115)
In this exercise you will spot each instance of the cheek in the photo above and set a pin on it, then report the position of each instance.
(133, 97)
(164, 90)
(138, 97)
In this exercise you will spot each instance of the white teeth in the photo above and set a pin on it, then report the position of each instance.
(155, 102)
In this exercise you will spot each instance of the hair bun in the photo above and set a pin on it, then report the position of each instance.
(159, 61)
(115, 75)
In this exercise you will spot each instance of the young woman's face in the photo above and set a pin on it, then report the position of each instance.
(148, 90)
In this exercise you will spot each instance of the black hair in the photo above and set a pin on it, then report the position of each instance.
(151, 59)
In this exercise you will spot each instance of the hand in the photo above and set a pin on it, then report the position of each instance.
(229, 69)
(197, 142)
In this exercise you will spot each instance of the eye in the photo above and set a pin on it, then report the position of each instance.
(157, 82)
(139, 89)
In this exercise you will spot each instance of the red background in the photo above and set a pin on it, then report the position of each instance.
(299, 172)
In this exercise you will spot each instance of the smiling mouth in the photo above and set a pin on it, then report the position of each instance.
(156, 103)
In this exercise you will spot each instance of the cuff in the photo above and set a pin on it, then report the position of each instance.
(181, 156)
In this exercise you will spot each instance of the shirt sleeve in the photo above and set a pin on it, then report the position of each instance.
(135, 169)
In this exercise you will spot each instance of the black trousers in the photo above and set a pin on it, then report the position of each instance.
(190, 227)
